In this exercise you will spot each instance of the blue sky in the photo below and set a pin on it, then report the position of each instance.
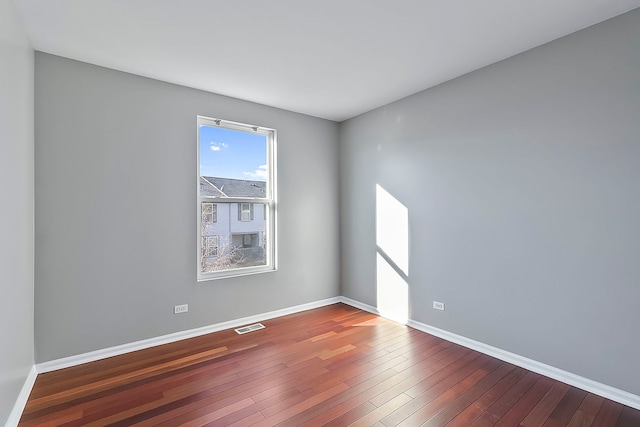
(232, 154)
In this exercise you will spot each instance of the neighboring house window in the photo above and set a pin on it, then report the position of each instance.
(236, 199)
(245, 212)
(209, 213)
(209, 246)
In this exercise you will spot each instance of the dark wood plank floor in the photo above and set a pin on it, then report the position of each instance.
(335, 366)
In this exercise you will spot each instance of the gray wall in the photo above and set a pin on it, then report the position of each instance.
(16, 212)
(521, 182)
(115, 182)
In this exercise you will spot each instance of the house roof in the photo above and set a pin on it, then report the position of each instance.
(226, 187)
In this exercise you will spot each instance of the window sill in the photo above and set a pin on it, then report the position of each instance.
(249, 271)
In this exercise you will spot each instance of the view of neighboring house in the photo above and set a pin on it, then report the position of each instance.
(233, 234)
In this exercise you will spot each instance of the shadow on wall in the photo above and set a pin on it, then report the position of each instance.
(392, 257)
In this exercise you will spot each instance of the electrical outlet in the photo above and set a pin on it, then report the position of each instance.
(438, 305)
(180, 308)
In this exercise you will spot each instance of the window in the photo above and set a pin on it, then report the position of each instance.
(245, 212)
(209, 213)
(209, 246)
(236, 199)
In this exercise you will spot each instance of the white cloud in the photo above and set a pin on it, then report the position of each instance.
(217, 146)
(260, 173)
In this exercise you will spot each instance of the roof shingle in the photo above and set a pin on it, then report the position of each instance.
(227, 187)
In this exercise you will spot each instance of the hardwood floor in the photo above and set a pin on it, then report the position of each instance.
(334, 366)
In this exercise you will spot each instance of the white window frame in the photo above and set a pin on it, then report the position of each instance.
(269, 201)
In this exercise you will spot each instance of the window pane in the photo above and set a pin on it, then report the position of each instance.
(233, 163)
(239, 243)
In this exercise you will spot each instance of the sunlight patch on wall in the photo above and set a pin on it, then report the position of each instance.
(392, 228)
(392, 257)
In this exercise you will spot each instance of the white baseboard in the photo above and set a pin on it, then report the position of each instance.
(586, 384)
(21, 401)
(79, 359)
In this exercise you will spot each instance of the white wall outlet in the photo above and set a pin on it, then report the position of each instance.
(180, 308)
(438, 305)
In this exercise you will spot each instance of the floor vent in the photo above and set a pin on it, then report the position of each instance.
(249, 328)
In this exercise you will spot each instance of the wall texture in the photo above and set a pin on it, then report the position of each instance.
(521, 186)
(16, 213)
(115, 182)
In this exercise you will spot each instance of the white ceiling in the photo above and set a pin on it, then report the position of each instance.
(333, 59)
